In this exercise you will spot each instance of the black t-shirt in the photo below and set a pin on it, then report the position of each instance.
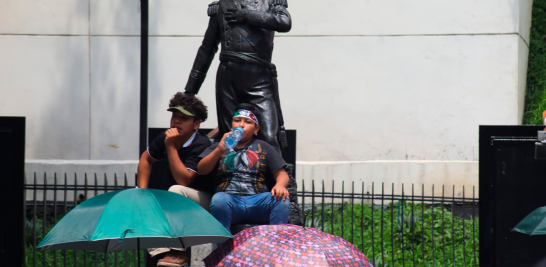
(247, 171)
(188, 155)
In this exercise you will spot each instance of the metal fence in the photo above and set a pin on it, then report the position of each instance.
(406, 229)
(51, 201)
(392, 229)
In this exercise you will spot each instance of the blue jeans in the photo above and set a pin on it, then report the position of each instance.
(255, 209)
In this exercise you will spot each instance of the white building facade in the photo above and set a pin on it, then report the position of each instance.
(386, 91)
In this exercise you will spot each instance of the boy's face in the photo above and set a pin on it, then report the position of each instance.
(185, 124)
(248, 125)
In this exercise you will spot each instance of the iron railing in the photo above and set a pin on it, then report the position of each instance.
(43, 212)
(391, 228)
(420, 230)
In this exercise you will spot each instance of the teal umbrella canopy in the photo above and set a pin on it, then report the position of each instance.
(534, 223)
(135, 218)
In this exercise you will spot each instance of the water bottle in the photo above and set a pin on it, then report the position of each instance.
(236, 135)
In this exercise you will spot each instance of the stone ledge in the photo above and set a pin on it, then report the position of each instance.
(450, 174)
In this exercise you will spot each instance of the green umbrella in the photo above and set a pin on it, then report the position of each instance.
(534, 223)
(135, 218)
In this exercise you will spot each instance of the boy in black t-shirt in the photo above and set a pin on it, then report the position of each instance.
(181, 145)
(242, 176)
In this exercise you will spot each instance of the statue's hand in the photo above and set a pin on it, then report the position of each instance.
(234, 15)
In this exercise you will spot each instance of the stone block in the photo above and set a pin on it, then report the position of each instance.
(115, 17)
(46, 80)
(115, 98)
(409, 98)
(44, 17)
(198, 253)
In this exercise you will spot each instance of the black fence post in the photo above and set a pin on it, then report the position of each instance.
(413, 222)
(453, 226)
(44, 218)
(352, 212)
(34, 230)
(373, 222)
(12, 171)
(342, 208)
(313, 203)
(55, 214)
(65, 254)
(423, 221)
(443, 226)
(382, 224)
(303, 202)
(392, 225)
(362, 217)
(464, 234)
(95, 190)
(75, 204)
(474, 224)
(85, 188)
(332, 208)
(402, 228)
(432, 227)
(322, 217)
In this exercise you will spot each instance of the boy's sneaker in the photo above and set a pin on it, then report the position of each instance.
(174, 258)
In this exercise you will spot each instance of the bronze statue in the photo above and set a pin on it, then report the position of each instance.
(245, 29)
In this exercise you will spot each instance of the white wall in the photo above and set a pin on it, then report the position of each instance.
(397, 81)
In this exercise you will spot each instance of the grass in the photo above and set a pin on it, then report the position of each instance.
(535, 99)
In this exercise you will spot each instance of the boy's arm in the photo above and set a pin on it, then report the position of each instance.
(181, 174)
(206, 165)
(143, 169)
(279, 189)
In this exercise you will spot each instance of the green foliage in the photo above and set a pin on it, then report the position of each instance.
(395, 233)
(536, 75)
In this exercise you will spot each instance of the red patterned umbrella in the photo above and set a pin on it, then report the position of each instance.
(286, 245)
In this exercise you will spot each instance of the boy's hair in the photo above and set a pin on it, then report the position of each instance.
(191, 103)
(250, 108)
